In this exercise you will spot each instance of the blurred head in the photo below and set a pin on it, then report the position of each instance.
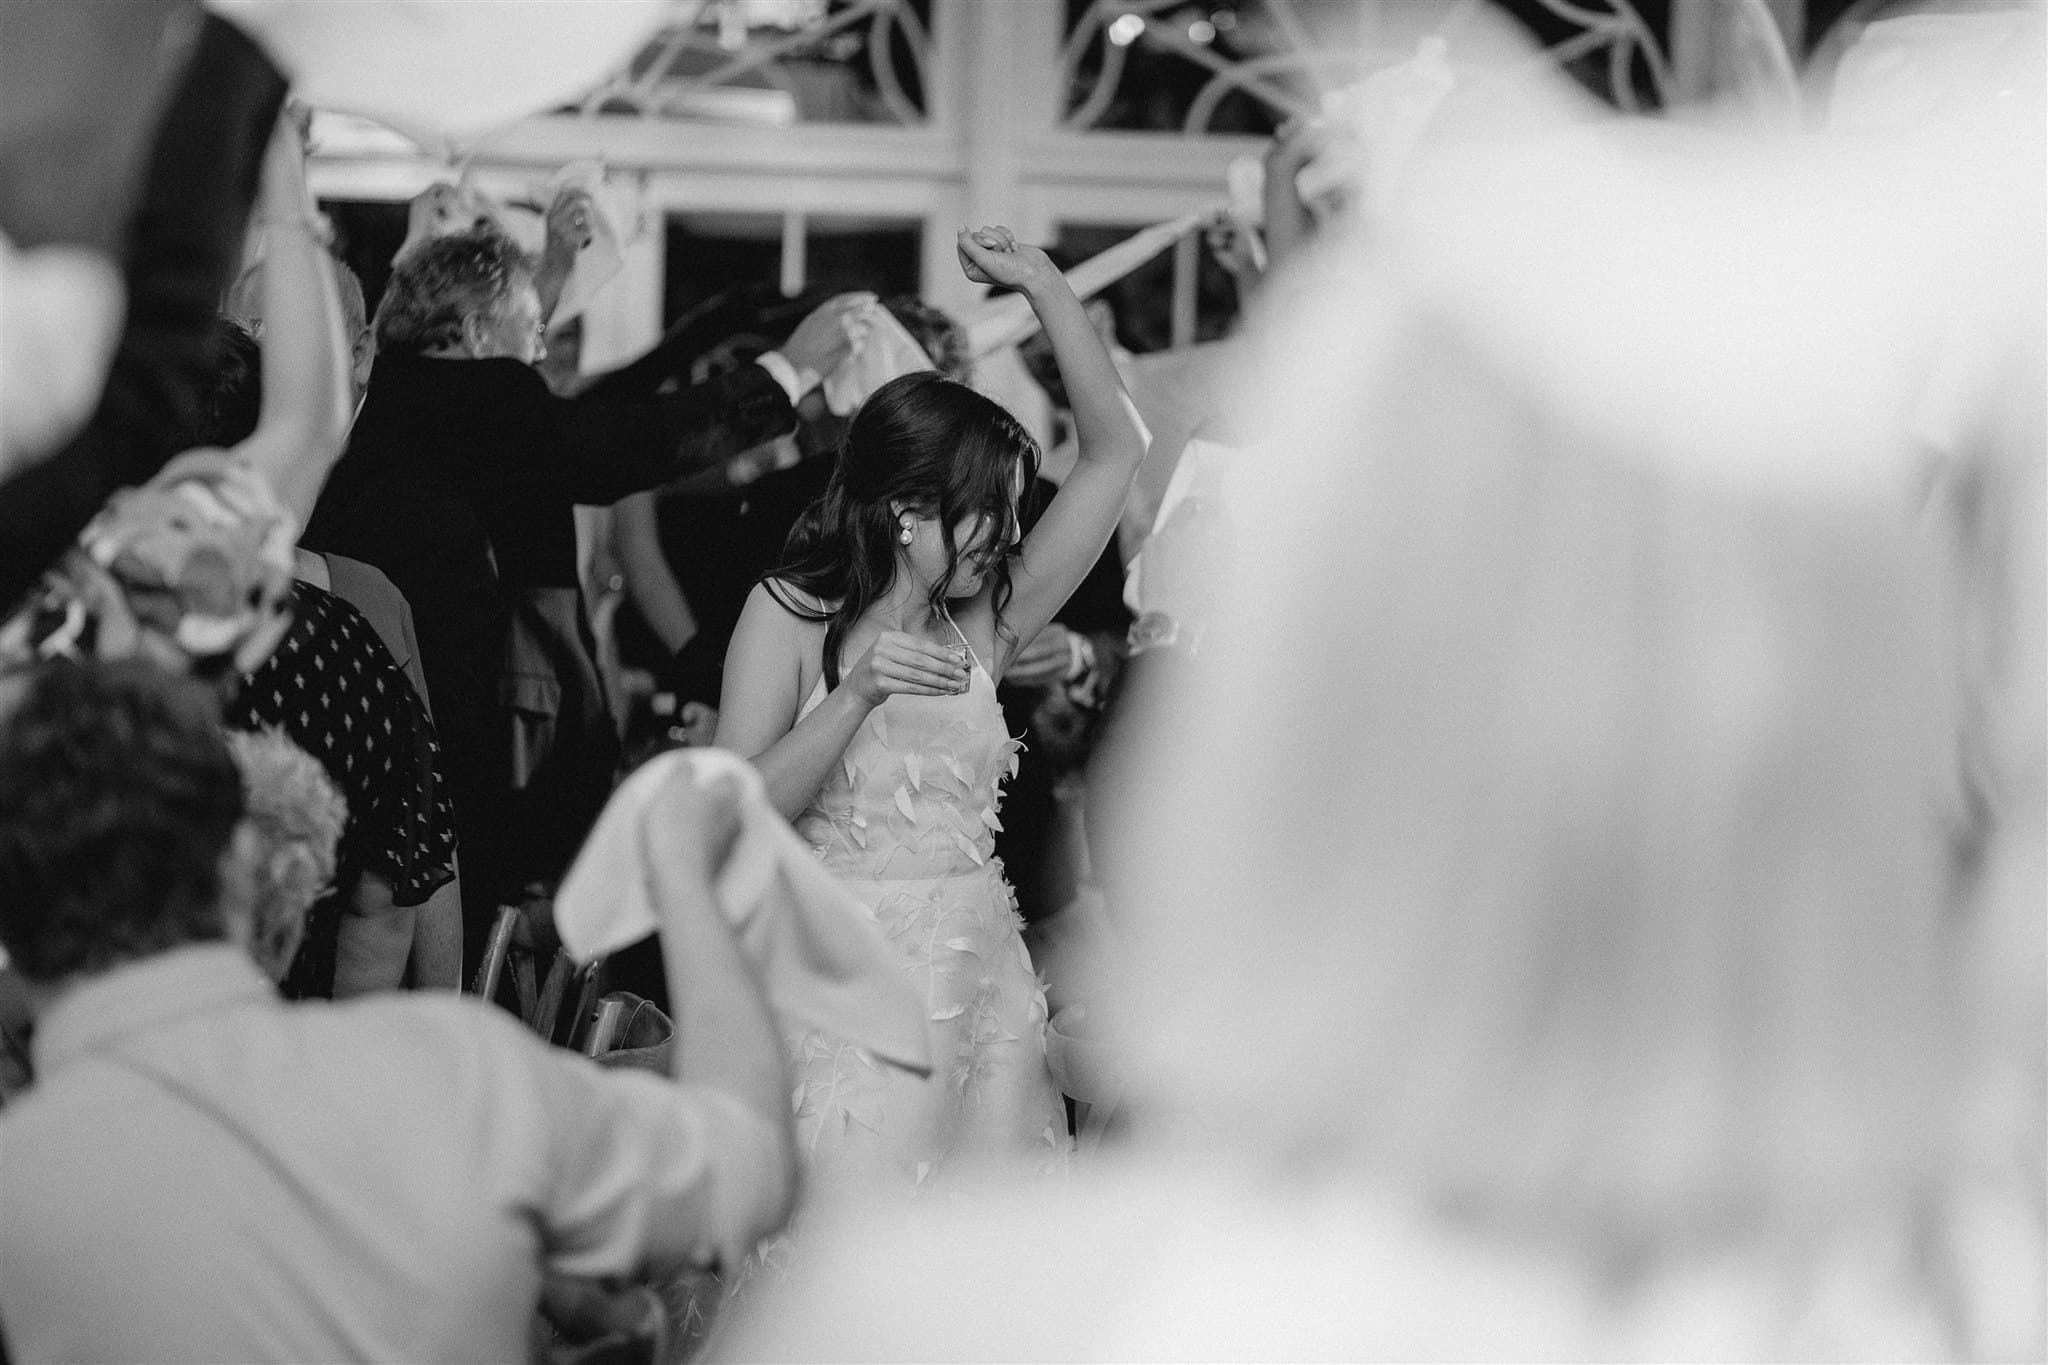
(1593, 883)
(469, 295)
(119, 804)
(295, 816)
(1590, 878)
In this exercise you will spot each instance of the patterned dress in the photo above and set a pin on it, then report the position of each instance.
(336, 692)
(907, 820)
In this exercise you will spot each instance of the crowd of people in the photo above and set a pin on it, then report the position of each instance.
(1525, 834)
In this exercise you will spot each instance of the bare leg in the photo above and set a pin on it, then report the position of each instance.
(370, 949)
(437, 940)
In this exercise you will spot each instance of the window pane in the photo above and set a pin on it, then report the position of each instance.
(1143, 299)
(857, 253)
(709, 253)
(778, 62)
(1242, 66)
(367, 234)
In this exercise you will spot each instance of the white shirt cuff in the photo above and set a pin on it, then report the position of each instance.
(796, 383)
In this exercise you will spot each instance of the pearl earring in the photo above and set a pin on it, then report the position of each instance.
(908, 534)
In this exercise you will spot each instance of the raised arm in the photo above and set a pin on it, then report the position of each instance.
(1069, 537)
(306, 391)
(725, 1036)
(637, 1181)
(568, 232)
(763, 693)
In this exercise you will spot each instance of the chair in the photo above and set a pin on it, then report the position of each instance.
(616, 1028)
(583, 1321)
(536, 1000)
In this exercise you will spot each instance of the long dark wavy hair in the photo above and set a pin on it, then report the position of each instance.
(940, 450)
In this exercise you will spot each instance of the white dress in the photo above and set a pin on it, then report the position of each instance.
(907, 821)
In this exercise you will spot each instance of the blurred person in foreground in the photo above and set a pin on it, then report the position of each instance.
(1557, 930)
(173, 569)
(433, 957)
(202, 1171)
(120, 417)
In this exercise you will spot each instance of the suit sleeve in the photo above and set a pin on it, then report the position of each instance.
(666, 364)
(611, 450)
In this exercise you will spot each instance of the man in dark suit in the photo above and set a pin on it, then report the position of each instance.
(459, 483)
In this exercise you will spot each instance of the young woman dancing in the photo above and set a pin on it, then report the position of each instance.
(862, 681)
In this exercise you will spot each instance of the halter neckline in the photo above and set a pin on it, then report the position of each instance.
(964, 640)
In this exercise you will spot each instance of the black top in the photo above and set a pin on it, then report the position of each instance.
(719, 545)
(460, 476)
(459, 483)
(337, 693)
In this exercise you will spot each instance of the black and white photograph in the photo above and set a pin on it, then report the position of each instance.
(1023, 680)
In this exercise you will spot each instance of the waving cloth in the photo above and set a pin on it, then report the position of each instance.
(882, 350)
(446, 208)
(819, 956)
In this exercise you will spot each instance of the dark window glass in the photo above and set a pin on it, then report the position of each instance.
(367, 234)
(1143, 299)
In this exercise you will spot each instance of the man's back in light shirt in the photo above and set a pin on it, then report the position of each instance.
(203, 1172)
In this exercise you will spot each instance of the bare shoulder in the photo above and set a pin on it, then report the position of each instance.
(805, 607)
(786, 620)
(780, 638)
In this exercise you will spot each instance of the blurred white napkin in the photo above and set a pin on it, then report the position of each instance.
(600, 259)
(819, 956)
(445, 209)
(1903, 70)
(1198, 491)
(60, 316)
(1378, 122)
(882, 350)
